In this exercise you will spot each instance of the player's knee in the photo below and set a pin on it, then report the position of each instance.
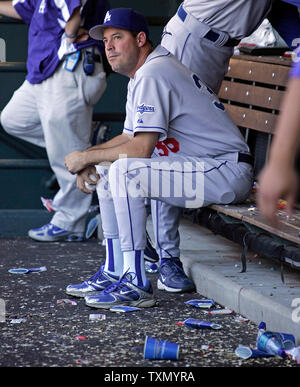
(125, 167)
(6, 121)
(115, 171)
(117, 177)
(118, 167)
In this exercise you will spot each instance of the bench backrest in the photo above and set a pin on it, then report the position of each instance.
(252, 92)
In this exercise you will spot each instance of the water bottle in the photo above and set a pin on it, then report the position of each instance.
(269, 342)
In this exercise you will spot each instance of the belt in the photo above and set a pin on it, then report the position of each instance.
(246, 158)
(210, 35)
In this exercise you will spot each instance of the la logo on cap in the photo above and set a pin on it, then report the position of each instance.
(107, 17)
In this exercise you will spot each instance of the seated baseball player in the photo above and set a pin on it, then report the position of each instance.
(178, 146)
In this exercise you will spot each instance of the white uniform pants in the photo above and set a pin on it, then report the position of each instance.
(180, 181)
(57, 114)
(208, 59)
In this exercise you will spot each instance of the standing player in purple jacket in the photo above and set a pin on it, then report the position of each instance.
(53, 107)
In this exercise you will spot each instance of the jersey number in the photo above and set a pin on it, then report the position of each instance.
(216, 103)
(169, 144)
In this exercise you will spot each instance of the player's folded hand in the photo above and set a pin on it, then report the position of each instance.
(75, 161)
(86, 179)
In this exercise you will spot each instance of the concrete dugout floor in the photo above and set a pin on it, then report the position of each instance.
(61, 335)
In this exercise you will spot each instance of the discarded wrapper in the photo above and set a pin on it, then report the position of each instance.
(218, 311)
(82, 361)
(97, 316)
(23, 270)
(124, 308)
(74, 238)
(281, 204)
(241, 319)
(199, 324)
(66, 301)
(17, 320)
(47, 203)
(200, 303)
(294, 354)
(205, 347)
(255, 187)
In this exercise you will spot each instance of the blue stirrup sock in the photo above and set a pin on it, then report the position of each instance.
(114, 258)
(134, 263)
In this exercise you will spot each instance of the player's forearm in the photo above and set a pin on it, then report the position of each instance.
(7, 9)
(287, 133)
(140, 146)
(115, 141)
(73, 24)
(128, 149)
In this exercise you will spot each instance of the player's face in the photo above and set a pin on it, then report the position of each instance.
(121, 50)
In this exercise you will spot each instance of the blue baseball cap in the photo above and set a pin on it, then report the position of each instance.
(123, 18)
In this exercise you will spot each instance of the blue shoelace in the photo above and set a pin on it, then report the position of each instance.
(94, 277)
(120, 283)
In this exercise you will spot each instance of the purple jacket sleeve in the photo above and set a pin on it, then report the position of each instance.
(25, 9)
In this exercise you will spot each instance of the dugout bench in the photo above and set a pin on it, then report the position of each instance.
(252, 92)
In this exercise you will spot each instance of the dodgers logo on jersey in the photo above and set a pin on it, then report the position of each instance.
(145, 109)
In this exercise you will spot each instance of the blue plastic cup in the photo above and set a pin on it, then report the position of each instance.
(247, 352)
(288, 339)
(160, 349)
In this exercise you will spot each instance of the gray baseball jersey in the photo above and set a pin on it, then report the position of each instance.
(185, 112)
(194, 131)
